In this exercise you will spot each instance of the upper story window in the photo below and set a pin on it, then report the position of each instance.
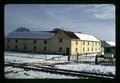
(88, 43)
(7, 41)
(35, 41)
(96, 43)
(83, 42)
(45, 41)
(92, 43)
(76, 49)
(16, 41)
(76, 42)
(60, 40)
(83, 49)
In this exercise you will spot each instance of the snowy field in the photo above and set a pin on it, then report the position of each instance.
(89, 68)
(45, 60)
(17, 73)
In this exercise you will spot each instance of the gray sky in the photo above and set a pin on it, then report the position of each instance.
(95, 19)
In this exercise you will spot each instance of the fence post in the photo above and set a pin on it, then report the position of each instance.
(96, 59)
(77, 56)
(68, 57)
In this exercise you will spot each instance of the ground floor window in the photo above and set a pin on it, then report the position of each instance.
(16, 47)
(88, 49)
(60, 49)
(34, 48)
(76, 49)
(95, 49)
(25, 48)
(92, 49)
(83, 49)
(45, 48)
(7, 46)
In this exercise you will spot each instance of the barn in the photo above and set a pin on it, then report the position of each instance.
(52, 42)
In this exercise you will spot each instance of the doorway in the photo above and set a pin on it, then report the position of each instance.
(67, 51)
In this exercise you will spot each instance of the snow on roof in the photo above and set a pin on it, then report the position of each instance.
(31, 35)
(86, 37)
(111, 43)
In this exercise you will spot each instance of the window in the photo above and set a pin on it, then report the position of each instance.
(99, 48)
(7, 46)
(60, 40)
(92, 49)
(60, 49)
(83, 49)
(35, 41)
(25, 47)
(76, 49)
(76, 42)
(95, 49)
(7, 41)
(45, 48)
(45, 41)
(34, 48)
(16, 47)
(92, 43)
(16, 41)
(96, 43)
(88, 49)
(83, 43)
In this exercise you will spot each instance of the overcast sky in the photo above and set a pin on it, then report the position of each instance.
(95, 19)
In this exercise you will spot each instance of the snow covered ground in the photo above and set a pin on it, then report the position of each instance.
(41, 59)
(89, 68)
(14, 57)
(17, 73)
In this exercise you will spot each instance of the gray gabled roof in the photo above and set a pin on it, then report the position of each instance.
(31, 35)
